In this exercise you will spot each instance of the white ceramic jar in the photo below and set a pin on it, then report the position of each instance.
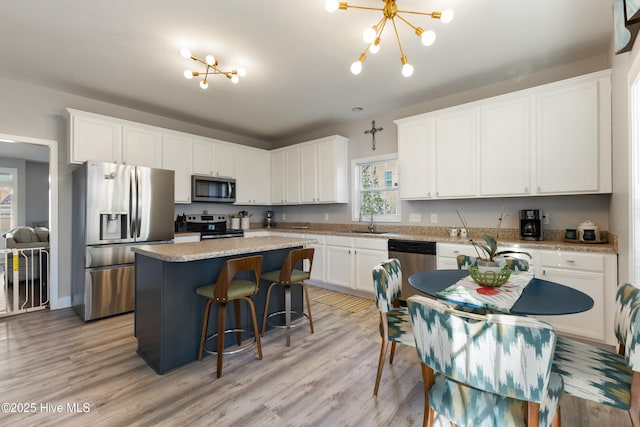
(588, 231)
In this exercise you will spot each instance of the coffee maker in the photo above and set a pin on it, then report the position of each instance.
(269, 222)
(531, 224)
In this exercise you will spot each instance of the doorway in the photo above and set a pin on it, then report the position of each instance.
(49, 150)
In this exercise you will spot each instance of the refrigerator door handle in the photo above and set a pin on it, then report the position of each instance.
(133, 197)
(138, 205)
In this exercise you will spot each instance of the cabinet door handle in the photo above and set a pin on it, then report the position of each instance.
(571, 261)
(456, 252)
(526, 189)
(544, 272)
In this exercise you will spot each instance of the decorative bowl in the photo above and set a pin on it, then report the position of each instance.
(490, 278)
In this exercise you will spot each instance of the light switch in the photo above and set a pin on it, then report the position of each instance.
(434, 218)
(415, 217)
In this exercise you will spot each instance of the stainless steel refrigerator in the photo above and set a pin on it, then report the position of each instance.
(115, 206)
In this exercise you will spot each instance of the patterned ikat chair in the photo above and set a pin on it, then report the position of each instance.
(466, 261)
(394, 320)
(515, 264)
(602, 376)
(485, 370)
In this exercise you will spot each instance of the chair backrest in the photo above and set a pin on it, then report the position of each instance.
(466, 261)
(627, 323)
(387, 281)
(294, 257)
(501, 354)
(517, 264)
(233, 267)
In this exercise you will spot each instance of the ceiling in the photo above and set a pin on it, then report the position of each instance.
(297, 55)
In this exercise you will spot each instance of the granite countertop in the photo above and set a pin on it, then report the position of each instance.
(216, 248)
(560, 245)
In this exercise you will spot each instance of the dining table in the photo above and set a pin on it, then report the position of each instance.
(539, 298)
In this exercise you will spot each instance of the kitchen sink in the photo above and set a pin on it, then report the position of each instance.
(363, 232)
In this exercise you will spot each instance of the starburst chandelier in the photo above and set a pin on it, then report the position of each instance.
(390, 12)
(211, 68)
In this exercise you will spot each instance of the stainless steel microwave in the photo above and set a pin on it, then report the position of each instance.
(213, 189)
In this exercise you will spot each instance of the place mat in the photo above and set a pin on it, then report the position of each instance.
(466, 291)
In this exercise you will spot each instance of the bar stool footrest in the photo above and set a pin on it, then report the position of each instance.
(247, 343)
(299, 321)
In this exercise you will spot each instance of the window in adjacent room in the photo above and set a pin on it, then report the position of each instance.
(8, 202)
(376, 189)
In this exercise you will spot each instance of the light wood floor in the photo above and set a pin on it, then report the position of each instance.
(324, 379)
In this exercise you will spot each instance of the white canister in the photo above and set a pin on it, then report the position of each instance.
(235, 223)
(463, 232)
(453, 232)
(588, 232)
(244, 223)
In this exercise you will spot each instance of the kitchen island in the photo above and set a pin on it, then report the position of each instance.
(168, 312)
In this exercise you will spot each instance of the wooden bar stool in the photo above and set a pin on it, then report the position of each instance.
(226, 289)
(287, 276)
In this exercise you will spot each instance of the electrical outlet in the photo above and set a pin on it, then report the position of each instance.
(283, 216)
(326, 217)
(415, 217)
(434, 218)
(545, 218)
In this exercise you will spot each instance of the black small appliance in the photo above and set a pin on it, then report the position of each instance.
(531, 224)
(269, 222)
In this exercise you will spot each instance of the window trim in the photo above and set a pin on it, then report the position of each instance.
(355, 193)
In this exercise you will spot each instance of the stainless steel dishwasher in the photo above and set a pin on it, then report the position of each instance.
(414, 256)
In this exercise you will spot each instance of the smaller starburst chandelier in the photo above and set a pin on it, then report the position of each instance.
(390, 11)
(211, 68)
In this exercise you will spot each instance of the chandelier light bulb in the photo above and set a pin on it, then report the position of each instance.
(375, 47)
(369, 35)
(331, 5)
(428, 38)
(447, 16)
(185, 53)
(242, 72)
(235, 79)
(407, 70)
(204, 84)
(188, 74)
(356, 67)
(210, 59)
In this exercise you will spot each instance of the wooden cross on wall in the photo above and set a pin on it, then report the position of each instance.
(373, 131)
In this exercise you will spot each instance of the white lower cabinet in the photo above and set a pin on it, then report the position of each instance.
(318, 270)
(446, 254)
(596, 276)
(350, 262)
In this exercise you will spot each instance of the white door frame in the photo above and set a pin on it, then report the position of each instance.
(54, 229)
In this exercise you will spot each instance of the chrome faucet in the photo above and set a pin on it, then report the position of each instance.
(371, 225)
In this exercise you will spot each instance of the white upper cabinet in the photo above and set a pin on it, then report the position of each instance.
(285, 176)
(93, 137)
(176, 156)
(142, 146)
(311, 172)
(213, 158)
(574, 136)
(505, 146)
(292, 184)
(548, 140)
(277, 177)
(456, 159)
(333, 170)
(309, 176)
(253, 176)
(324, 173)
(416, 157)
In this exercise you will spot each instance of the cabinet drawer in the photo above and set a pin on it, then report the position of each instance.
(371, 243)
(339, 241)
(452, 250)
(572, 260)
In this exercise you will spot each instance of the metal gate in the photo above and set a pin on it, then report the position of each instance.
(24, 282)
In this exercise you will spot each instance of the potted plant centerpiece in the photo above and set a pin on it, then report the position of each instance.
(488, 271)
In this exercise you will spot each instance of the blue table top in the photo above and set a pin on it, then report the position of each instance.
(539, 298)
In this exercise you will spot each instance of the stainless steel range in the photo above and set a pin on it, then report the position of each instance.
(211, 226)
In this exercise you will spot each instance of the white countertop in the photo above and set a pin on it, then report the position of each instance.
(216, 248)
